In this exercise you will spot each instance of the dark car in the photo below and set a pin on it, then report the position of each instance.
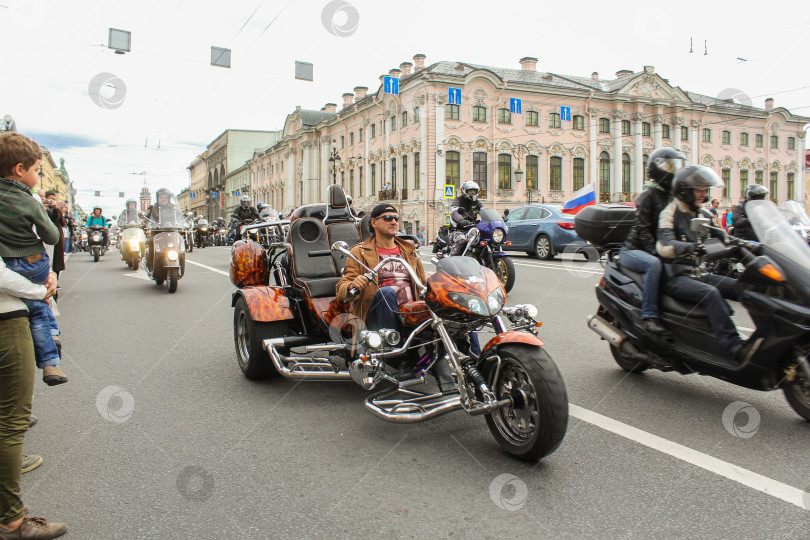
(544, 231)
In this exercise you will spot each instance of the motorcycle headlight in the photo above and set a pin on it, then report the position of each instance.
(203, 229)
(472, 303)
(172, 255)
(497, 236)
(134, 244)
(495, 301)
(370, 339)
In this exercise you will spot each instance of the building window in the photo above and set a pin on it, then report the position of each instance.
(758, 177)
(625, 127)
(360, 135)
(374, 178)
(343, 179)
(404, 172)
(452, 168)
(394, 173)
(451, 112)
(416, 115)
(579, 173)
(504, 116)
(774, 186)
(707, 135)
(579, 122)
(342, 141)
(532, 119)
(480, 169)
(393, 123)
(417, 171)
(504, 171)
(479, 114)
(743, 182)
(626, 173)
(743, 139)
(791, 144)
(351, 138)
(604, 125)
(351, 182)
(684, 133)
(555, 173)
(373, 130)
(759, 140)
(360, 180)
(725, 137)
(644, 159)
(553, 120)
(404, 118)
(791, 177)
(646, 129)
(774, 141)
(604, 173)
(665, 131)
(726, 174)
(532, 172)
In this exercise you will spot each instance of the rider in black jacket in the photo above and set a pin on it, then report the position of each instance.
(244, 213)
(463, 215)
(741, 227)
(638, 253)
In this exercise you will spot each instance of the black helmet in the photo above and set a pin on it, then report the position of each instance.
(755, 192)
(133, 201)
(163, 191)
(663, 164)
(691, 177)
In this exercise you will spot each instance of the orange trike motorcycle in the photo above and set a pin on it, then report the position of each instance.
(298, 329)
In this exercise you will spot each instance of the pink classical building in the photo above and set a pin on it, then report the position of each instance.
(571, 131)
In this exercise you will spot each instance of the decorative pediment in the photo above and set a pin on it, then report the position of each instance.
(453, 143)
(744, 163)
(776, 166)
(579, 151)
(760, 164)
(791, 167)
(650, 85)
(481, 144)
(727, 162)
(707, 161)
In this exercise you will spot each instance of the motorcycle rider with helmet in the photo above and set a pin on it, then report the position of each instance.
(463, 215)
(97, 219)
(638, 253)
(244, 213)
(130, 214)
(676, 243)
(741, 226)
(163, 211)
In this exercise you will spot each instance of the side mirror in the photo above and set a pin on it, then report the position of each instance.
(698, 224)
(141, 215)
(340, 246)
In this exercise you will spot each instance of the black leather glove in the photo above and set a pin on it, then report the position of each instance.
(465, 223)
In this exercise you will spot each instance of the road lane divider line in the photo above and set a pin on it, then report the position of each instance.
(746, 477)
(217, 270)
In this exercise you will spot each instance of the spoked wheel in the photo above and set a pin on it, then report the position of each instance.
(505, 270)
(248, 335)
(543, 248)
(797, 393)
(172, 277)
(534, 426)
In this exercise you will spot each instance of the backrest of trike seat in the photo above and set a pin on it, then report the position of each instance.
(341, 225)
(315, 274)
(365, 227)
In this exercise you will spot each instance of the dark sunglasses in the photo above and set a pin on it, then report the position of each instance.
(389, 218)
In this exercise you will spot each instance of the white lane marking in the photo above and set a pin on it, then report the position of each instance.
(217, 270)
(139, 275)
(737, 474)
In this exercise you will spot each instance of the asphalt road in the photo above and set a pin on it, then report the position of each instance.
(158, 435)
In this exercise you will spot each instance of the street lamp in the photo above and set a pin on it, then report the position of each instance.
(334, 159)
(41, 176)
(519, 151)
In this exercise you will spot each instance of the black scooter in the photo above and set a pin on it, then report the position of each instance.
(774, 287)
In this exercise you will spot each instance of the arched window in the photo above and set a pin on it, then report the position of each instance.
(726, 175)
(555, 173)
(579, 173)
(479, 114)
(626, 174)
(774, 186)
(532, 172)
(451, 167)
(504, 171)
(644, 159)
(480, 169)
(604, 173)
(743, 182)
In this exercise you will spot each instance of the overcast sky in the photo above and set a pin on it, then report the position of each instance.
(175, 102)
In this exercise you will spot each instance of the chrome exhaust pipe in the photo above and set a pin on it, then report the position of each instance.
(408, 412)
(611, 334)
(304, 367)
(290, 341)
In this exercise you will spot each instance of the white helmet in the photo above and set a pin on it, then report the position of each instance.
(245, 199)
(467, 186)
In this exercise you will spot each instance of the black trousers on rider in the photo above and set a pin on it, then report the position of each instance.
(709, 293)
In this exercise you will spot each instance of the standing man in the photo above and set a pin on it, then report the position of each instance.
(715, 215)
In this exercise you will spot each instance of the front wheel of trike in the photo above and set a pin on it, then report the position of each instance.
(248, 335)
(534, 426)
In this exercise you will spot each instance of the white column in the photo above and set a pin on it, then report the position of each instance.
(675, 133)
(800, 188)
(695, 158)
(657, 131)
(616, 177)
(594, 164)
(638, 155)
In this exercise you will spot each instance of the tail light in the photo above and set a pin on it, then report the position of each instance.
(567, 225)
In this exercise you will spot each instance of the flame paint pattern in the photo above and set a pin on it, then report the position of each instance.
(248, 264)
(513, 336)
(266, 304)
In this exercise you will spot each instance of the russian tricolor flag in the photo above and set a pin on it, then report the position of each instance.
(579, 200)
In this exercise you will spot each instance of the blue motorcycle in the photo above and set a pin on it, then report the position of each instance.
(484, 243)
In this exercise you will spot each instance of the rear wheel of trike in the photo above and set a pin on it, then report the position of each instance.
(534, 426)
(248, 335)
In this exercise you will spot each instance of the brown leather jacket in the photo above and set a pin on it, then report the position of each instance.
(367, 252)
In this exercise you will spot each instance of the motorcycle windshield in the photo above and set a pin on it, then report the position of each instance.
(774, 231)
(168, 216)
(795, 214)
(489, 214)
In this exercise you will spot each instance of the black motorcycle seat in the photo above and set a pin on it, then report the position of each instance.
(667, 303)
(319, 287)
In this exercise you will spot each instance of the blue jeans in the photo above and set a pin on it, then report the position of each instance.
(650, 265)
(382, 313)
(40, 317)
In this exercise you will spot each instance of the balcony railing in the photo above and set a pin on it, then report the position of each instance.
(391, 195)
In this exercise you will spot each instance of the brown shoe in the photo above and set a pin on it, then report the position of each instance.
(34, 528)
(53, 375)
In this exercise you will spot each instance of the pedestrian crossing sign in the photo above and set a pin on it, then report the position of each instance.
(447, 219)
(449, 191)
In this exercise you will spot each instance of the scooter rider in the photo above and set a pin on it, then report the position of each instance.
(463, 215)
(244, 213)
(638, 253)
(130, 214)
(162, 212)
(741, 226)
(98, 220)
(677, 242)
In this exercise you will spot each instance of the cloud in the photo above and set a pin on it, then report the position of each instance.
(61, 141)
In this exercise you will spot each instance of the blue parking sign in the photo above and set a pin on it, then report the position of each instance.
(391, 86)
(192, 195)
(237, 193)
(454, 96)
(565, 114)
(515, 106)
